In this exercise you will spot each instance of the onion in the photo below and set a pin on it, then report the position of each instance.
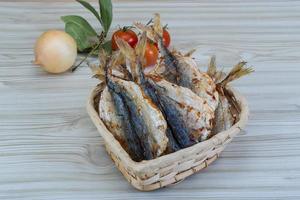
(55, 51)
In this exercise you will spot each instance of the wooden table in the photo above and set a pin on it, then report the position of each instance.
(49, 148)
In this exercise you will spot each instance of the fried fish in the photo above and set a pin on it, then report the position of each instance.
(181, 69)
(144, 118)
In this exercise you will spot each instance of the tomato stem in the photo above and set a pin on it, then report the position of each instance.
(151, 42)
(125, 28)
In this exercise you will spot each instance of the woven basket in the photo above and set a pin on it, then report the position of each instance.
(171, 168)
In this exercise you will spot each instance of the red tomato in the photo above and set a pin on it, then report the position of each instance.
(126, 34)
(166, 39)
(151, 54)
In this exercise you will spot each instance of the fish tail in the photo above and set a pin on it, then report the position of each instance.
(141, 45)
(141, 26)
(236, 72)
(118, 62)
(99, 71)
(155, 31)
(148, 29)
(129, 54)
(102, 57)
(126, 49)
(118, 59)
(212, 68)
(140, 52)
(158, 29)
(189, 53)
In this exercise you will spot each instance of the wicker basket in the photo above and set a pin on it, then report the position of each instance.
(171, 168)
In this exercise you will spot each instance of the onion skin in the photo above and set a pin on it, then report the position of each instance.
(55, 51)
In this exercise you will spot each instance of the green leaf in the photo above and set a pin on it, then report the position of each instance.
(106, 14)
(81, 22)
(80, 30)
(107, 46)
(88, 6)
(79, 35)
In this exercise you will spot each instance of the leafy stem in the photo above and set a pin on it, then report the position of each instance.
(101, 40)
(81, 30)
(84, 34)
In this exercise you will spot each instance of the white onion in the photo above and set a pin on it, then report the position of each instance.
(55, 51)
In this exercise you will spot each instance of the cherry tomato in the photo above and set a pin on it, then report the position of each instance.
(166, 39)
(126, 34)
(151, 54)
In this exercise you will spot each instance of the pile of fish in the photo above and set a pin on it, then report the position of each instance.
(172, 107)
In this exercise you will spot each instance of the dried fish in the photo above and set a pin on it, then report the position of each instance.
(137, 150)
(192, 112)
(146, 118)
(223, 118)
(228, 109)
(199, 82)
(188, 116)
(115, 114)
(135, 59)
(182, 69)
(171, 108)
(111, 119)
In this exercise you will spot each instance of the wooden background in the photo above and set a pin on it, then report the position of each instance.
(49, 148)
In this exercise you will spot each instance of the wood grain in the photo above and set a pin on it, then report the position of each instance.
(49, 148)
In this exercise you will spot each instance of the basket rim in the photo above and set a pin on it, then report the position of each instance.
(164, 160)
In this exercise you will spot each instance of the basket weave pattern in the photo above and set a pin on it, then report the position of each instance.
(171, 168)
